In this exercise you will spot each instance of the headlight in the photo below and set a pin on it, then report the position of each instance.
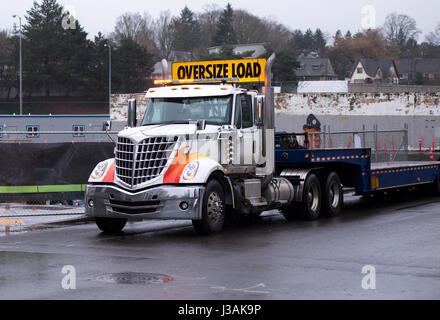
(190, 170)
(99, 170)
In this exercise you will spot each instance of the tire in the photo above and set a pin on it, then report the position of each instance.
(435, 187)
(333, 196)
(291, 212)
(110, 225)
(310, 208)
(213, 210)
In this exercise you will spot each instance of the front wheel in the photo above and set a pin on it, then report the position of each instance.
(213, 210)
(110, 225)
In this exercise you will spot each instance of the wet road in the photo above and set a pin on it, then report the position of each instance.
(266, 258)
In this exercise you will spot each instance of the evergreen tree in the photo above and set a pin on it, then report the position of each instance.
(54, 57)
(319, 40)
(338, 35)
(132, 64)
(8, 63)
(348, 35)
(309, 40)
(225, 33)
(285, 62)
(99, 65)
(298, 37)
(186, 31)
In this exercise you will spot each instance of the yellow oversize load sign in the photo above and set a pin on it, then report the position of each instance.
(244, 70)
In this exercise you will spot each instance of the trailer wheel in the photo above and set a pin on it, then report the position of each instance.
(435, 187)
(310, 207)
(213, 210)
(333, 195)
(110, 225)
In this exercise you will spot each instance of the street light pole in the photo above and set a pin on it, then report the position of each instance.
(109, 78)
(21, 67)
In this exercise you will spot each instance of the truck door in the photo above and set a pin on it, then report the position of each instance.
(244, 121)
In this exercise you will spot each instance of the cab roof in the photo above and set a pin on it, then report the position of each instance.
(191, 90)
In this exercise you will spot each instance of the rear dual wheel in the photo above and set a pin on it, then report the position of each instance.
(310, 207)
(333, 195)
(326, 198)
(435, 187)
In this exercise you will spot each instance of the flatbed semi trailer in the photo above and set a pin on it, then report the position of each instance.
(355, 168)
(323, 174)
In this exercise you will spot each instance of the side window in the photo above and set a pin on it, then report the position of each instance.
(1, 131)
(32, 131)
(237, 116)
(246, 111)
(78, 130)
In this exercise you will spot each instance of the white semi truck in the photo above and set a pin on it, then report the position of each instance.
(207, 150)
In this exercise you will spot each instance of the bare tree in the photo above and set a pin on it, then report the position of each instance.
(434, 37)
(208, 22)
(164, 33)
(399, 28)
(137, 27)
(279, 36)
(249, 28)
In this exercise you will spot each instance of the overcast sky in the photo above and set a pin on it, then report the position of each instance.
(329, 15)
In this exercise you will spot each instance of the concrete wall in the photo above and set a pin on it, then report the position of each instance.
(119, 105)
(341, 112)
(391, 88)
(350, 112)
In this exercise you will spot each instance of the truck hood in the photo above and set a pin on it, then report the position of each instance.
(140, 133)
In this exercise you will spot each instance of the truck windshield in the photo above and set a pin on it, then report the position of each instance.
(215, 110)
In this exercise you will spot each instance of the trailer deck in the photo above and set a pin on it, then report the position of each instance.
(356, 170)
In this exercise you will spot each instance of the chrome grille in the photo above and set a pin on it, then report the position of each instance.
(144, 161)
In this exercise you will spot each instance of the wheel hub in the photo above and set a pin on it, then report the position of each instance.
(215, 207)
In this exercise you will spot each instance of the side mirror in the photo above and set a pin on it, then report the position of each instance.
(107, 125)
(131, 116)
(259, 111)
(201, 125)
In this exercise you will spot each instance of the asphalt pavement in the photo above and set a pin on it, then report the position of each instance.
(386, 248)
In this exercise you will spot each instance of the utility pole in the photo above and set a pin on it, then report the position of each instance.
(109, 79)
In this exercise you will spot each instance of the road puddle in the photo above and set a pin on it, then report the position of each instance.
(137, 278)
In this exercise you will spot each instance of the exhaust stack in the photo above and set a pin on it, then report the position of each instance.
(131, 115)
(269, 123)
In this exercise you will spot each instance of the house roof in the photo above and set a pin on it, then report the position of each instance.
(419, 65)
(315, 67)
(371, 66)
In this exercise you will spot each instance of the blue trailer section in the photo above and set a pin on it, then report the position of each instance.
(355, 168)
(402, 174)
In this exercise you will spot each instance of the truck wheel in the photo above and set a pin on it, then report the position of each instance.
(291, 212)
(213, 210)
(435, 187)
(333, 195)
(110, 225)
(310, 207)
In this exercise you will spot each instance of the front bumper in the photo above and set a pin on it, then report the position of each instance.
(162, 202)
